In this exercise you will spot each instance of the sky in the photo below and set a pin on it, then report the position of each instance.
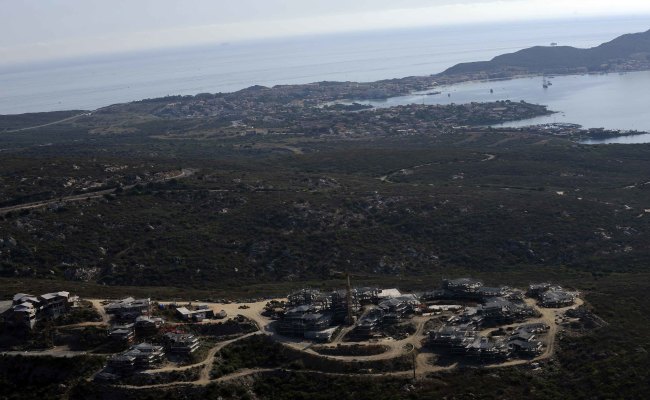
(42, 30)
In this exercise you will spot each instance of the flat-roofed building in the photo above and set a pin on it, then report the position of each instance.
(128, 308)
(557, 298)
(525, 347)
(462, 285)
(146, 355)
(305, 318)
(55, 304)
(122, 333)
(181, 343)
(123, 364)
(198, 314)
(27, 309)
(148, 325)
(23, 315)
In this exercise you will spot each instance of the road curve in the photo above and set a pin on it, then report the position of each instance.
(84, 196)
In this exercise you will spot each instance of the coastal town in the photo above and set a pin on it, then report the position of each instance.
(142, 341)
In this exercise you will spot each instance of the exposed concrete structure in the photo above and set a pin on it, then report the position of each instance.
(27, 309)
(181, 343)
(129, 308)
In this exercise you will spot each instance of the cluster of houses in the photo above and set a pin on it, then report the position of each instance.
(469, 289)
(314, 315)
(551, 296)
(132, 316)
(27, 309)
(145, 356)
(492, 306)
(144, 325)
(392, 309)
(466, 340)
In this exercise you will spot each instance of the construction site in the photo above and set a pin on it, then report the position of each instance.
(371, 330)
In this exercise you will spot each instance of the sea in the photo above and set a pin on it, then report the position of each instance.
(613, 101)
(91, 83)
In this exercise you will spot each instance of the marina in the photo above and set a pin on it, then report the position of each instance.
(590, 100)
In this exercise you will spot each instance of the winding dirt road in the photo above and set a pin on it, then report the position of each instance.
(395, 348)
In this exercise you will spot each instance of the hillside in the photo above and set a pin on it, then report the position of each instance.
(628, 48)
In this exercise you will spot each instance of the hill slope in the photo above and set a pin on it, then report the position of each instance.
(630, 47)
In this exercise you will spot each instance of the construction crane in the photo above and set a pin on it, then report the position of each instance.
(350, 318)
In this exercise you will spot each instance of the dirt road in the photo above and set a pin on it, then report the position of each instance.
(395, 348)
(100, 309)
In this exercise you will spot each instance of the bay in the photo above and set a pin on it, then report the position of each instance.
(611, 101)
(96, 82)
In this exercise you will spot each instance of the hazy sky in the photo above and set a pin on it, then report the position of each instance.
(34, 30)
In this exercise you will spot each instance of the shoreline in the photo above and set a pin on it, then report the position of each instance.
(428, 83)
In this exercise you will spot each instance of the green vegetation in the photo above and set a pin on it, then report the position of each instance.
(84, 313)
(227, 328)
(142, 379)
(399, 331)
(43, 378)
(255, 352)
(260, 351)
(83, 338)
(399, 197)
(562, 59)
(354, 350)
(21, 121)
(272, 220)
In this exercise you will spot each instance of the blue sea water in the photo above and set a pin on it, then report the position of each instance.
(612, 101)
(100, 81)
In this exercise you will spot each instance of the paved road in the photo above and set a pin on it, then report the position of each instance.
(49, 123)
(58, 351)
(80, 197)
